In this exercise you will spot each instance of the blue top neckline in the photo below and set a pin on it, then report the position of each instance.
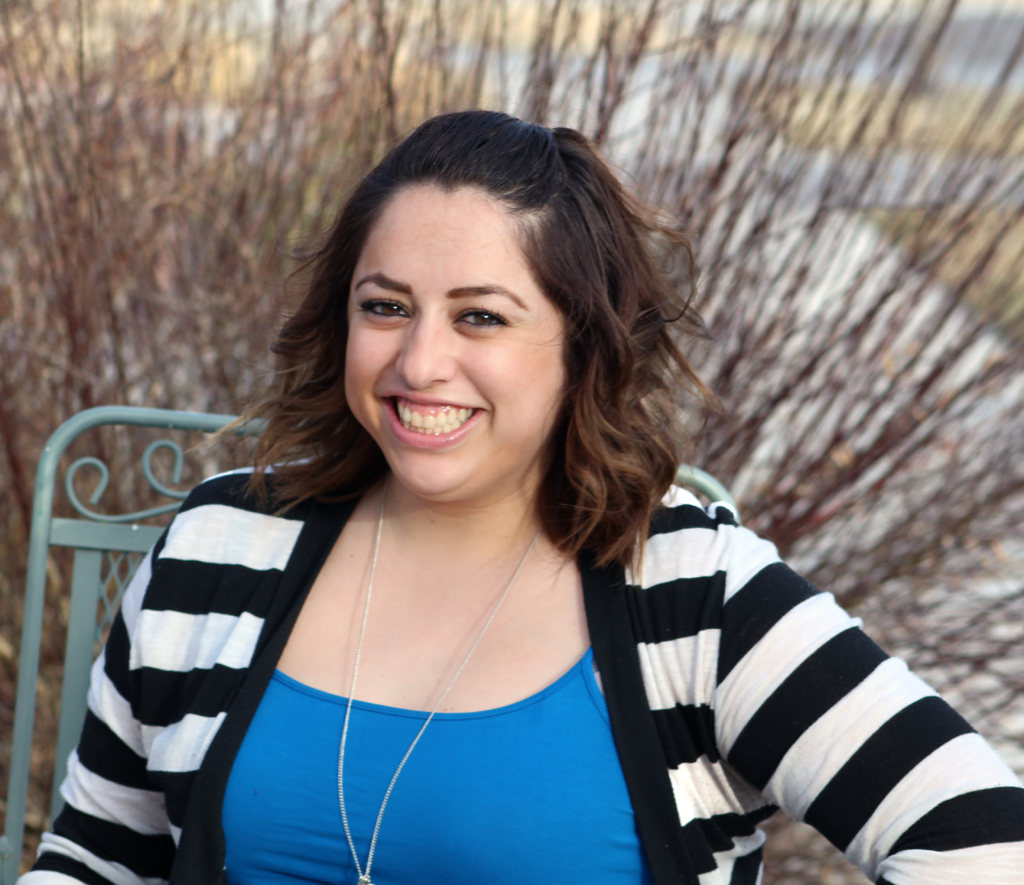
(584, 664)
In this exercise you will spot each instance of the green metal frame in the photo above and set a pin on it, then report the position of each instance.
(707, 485)
(93, 538)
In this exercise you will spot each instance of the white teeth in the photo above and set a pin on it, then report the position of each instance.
(434, 425)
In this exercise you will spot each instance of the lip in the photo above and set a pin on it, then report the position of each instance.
(422, 440)
(424, 401)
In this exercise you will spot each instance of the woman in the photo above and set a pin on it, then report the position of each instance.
(469, 569)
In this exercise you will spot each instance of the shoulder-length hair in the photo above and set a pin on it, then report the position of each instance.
(595, 251)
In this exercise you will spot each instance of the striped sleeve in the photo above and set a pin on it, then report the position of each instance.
(113, 827)
(820, 720)
(177, 653)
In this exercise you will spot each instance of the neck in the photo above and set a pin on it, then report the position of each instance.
(472, 531)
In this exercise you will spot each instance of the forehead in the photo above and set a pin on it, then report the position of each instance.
(459, 207)
(463, 236)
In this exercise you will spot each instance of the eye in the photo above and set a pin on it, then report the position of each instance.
(382, 308)
(478, 317)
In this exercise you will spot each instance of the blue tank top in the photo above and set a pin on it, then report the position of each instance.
(528, 792)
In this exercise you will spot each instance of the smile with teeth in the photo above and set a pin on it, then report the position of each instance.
(432, 421)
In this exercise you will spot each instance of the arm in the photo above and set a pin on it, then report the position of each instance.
(114, 827)
(826, 725)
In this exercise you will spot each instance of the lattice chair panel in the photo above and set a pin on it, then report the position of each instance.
(116, 573)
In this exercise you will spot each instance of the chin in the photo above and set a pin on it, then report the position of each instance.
(434, 488)
(427, 476)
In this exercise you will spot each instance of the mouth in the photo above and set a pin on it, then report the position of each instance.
(431, 420)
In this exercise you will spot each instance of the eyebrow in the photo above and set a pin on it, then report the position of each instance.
(490, 289)
(385, 282)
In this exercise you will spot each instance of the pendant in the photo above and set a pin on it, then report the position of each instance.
(365, 880)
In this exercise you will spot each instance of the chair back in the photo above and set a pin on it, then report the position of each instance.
(106, 551)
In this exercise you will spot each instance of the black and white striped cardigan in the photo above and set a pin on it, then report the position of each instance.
(733, 686)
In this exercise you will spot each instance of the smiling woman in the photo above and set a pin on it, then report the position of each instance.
(525, 231)
(457, 625)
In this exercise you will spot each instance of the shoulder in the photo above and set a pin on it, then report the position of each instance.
(229, 489)
(204, 596)
(688, 541)
(701, 561)
(222, 523)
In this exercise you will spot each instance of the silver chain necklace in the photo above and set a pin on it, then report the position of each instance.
(364, 876)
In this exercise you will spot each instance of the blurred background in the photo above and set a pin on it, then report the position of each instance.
(852, 173)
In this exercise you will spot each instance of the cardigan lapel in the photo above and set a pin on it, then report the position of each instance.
(636, 739)
(201, 852)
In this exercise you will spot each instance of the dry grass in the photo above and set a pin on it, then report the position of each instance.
(948, 241)
(883, 116)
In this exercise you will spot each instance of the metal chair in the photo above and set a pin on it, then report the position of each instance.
(107, 550)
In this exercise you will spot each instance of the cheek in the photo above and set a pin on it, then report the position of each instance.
(538, 382)
(359, 369)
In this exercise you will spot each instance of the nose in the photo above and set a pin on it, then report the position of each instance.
(427, 357)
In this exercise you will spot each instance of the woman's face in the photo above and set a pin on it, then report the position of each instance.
(455, 357)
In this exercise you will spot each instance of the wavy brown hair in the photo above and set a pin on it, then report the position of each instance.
(597, 252)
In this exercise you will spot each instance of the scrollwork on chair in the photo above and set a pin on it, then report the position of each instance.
(147, 472)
